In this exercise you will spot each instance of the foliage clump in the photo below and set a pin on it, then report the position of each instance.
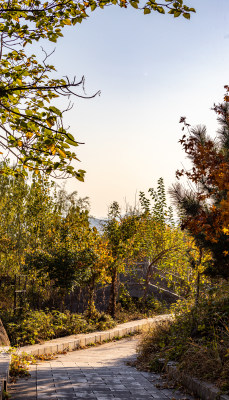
(38, 326)
(19, 365)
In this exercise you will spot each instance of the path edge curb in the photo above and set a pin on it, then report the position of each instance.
(202, 389)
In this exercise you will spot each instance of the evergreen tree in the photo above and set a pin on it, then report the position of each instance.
(204, 207)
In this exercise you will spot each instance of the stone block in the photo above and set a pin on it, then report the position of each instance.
(89, 340)
(82, 342)
(111, 335)
(105, 336)
(35, 352)
(60, 347)
(73, 345)
(41, 351)
(48, 350)
(98, 338)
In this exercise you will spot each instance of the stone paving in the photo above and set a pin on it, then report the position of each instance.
(98, 373)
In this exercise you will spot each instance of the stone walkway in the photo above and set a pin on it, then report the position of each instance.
(98, 373)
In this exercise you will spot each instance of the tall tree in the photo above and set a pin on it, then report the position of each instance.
(205, 207)
(120, 232)
(162, 243)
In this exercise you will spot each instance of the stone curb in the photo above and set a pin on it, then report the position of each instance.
(74, 342)
(204, 390)
(5, 359)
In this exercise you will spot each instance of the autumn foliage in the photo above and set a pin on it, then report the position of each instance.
(205, 207)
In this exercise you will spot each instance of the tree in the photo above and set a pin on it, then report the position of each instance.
(57, 255)
(161, 242)
(94, 260)
(205, 207)
(120, 233)
(31, 127)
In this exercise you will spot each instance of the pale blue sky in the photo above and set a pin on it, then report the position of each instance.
(151, 69)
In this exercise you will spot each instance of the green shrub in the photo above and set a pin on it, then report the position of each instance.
(34, 327)
(38, 326)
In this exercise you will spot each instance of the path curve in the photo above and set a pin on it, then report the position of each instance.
(98, 373)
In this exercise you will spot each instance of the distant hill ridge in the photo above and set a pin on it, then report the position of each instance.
(97, 223)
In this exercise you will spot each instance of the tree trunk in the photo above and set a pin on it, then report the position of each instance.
(91, 298)
(113, 293)
(197, 289)
(4, 340)
(198, 280)
(147, 281)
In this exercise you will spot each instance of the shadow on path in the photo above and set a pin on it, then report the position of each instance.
(97, 373)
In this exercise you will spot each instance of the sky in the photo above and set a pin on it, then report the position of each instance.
(151, 70)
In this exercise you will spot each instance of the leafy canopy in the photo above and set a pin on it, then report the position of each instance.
(32, 129)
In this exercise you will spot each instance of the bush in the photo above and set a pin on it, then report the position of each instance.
(102, 321)
(137, 305)
(198, 340)
(38, 326)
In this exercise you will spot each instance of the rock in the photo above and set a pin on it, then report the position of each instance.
(4, 340)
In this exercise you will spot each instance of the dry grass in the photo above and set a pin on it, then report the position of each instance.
(198, 339)
(149, 348)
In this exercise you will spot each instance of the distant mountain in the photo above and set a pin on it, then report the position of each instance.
(97, 223)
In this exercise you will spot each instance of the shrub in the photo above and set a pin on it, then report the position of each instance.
(198, 339)
(38, 326)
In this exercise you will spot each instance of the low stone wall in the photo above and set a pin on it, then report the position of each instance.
(204, 390)
(74, 342)
(5, 359)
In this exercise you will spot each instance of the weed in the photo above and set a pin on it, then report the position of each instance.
(20, 362)
(198, 339)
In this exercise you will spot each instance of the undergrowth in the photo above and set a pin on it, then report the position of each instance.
(19, 365)
(132, 308)
(198, 339)
(37, 326)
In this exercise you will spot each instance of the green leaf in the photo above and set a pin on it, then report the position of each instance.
(147, 11)
(161, 10)
(134, 4)
(71, 142)
(186, 15)
(55, 110)
(176, 13)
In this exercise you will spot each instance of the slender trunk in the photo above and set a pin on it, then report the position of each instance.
(198, 280)
(91, 298)
(197, 289)
(113, 293)
(146, 285)
(147, 281)
(1, 45)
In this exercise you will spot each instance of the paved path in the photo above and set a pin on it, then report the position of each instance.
(98, 373)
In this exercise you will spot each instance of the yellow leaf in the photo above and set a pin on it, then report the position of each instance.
(53, 149)
(19, 143)
(49, 122)
(18, 81)
(29, 135)
(67, 22)
(61, 153)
